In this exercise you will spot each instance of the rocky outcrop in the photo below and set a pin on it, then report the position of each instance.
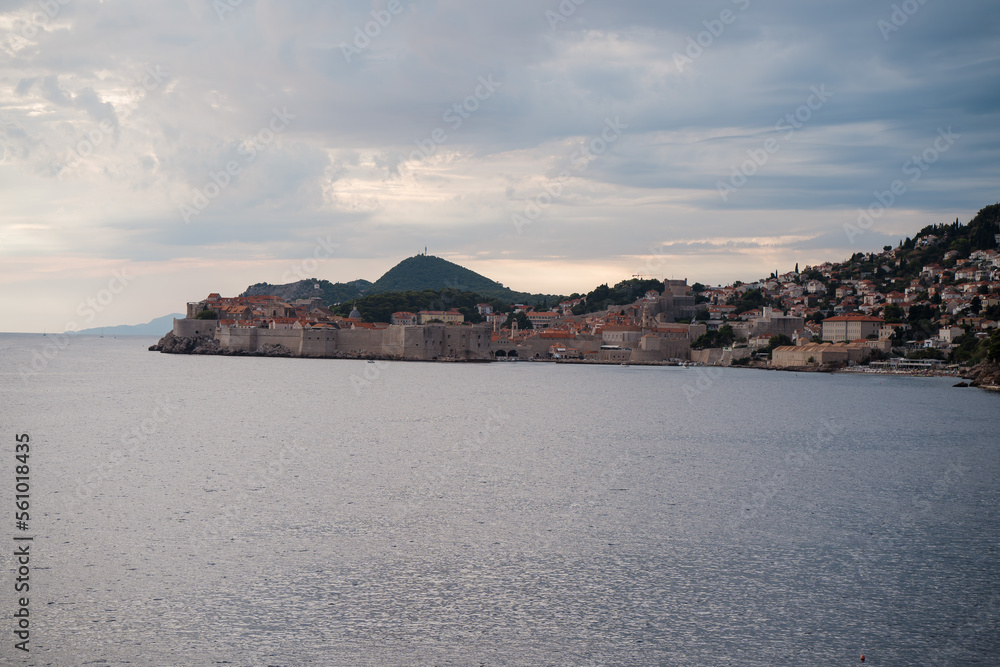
(171, 344)
(274, 351)
(985, 375)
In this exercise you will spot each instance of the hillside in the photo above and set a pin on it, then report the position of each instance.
(933, 242)
(380, 307)
(151, 328)
(941, 244)
(307, 289)
(426, 272)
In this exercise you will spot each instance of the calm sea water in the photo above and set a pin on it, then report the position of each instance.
(247, 511)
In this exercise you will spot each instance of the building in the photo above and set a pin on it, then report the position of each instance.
(451, 316)
(624, 334)
(949, 334)
(404, 317)
(496, 320)
(542, 320)
(850, 327)
(773, 324)
(813, 354)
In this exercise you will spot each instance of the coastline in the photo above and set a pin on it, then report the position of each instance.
(984, 376)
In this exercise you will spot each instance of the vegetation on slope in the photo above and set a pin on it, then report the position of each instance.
(307, 289)
(380, 307)
(602, 297)
(426, 272)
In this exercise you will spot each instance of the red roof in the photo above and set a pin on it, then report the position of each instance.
(556, 334)
(854, 318)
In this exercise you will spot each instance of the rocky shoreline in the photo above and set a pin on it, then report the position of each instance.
(985, 376)
(205, 345)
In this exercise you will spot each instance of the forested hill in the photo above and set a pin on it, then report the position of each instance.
(307, 289)
(415, 274)
(980, 234)
(426, 272)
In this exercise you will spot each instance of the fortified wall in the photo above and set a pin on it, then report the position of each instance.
(418, 342)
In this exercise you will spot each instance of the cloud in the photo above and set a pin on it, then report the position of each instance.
(117, 112)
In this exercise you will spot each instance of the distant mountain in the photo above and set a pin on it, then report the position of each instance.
(424, 272)
(152, 328)
(307, 289)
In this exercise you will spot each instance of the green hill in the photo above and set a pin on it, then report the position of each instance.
(307, 289)
(426, 272)
(415, 274)
(380, 307)
(980, 234)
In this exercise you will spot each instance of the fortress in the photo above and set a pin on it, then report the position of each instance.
(418, 342)
(267, 325)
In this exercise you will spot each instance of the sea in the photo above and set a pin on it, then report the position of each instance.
(208, 510)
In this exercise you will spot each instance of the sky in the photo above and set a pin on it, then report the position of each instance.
(154, 152)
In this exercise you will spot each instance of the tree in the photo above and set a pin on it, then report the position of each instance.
(522, 321)
(750, 300)
(968, 348)
(963, 246)
(993, 349)
(207, 315)
(893, 313)
(929, 353)
(921, 312)
(976, 305)
(722, 338)
(777, 341)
